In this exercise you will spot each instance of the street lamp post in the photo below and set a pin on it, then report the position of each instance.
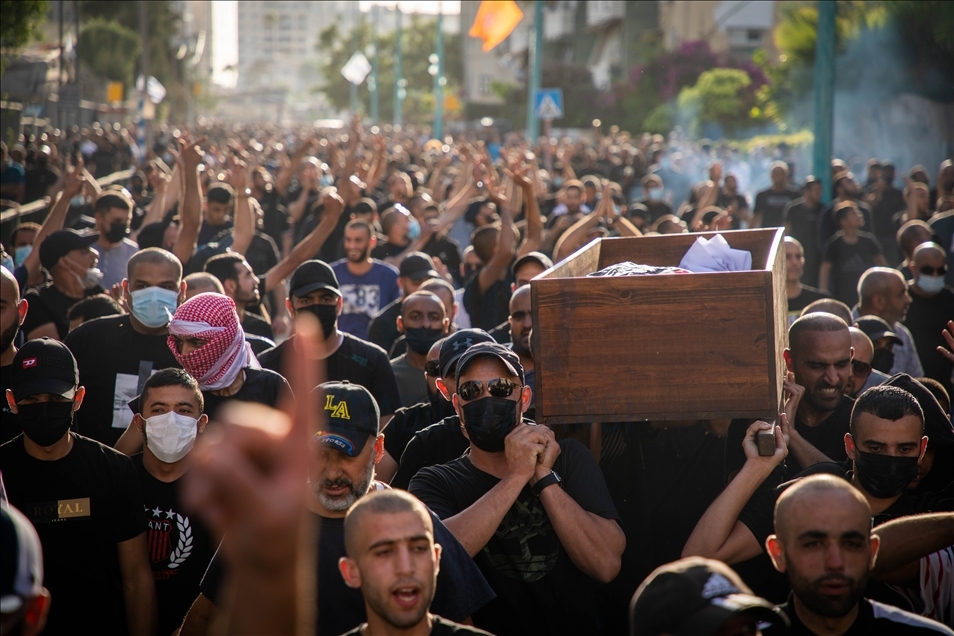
(399, 84)
(536, 51)
(439, 79)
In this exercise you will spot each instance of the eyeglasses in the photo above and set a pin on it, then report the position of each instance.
(433, 368)
(501, 387)
(931, 271)
(860, 369)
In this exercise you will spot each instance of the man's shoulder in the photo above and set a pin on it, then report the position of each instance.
(443, 627)
(85, 446)
(914, 623)
(354, 343)
(380, 267)
(339, 264)
(89, 331)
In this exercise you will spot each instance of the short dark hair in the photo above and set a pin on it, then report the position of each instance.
(841, 210)
(24, 227)
(362, 224)
(108, 201)
(96, 306)
(819, 322)
(222, 266)
(171, 377)
(885, 402)
(388, 219)
(220, 193)
(938, 391)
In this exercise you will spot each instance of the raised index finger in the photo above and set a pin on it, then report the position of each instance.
(304, 369)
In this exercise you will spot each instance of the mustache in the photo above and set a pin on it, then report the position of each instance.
(337, 483)
(834, 578)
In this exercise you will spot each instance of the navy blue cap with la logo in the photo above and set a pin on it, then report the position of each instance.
(352, 415)
(43, 365)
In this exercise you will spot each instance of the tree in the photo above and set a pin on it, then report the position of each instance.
(722, 96)
(110, 49)
(417, 45)
(20, 22)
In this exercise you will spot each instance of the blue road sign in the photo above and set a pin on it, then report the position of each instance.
(548, 103)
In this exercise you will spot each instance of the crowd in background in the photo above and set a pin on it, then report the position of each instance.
(141, 310)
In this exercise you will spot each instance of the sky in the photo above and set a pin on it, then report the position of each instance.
(225, 38)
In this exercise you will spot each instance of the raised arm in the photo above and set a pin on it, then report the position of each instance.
(534, 237)
(190, 211)
(139, 588)
(291, 167)
(719, 534)
(905, 541)
(75, 182)
(496, 269)
(244, 215)
(333, 207)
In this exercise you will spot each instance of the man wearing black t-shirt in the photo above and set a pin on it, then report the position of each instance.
(801, 223)
(415, 269)
(393, 559)
(346, 454)
(13, 310)
(535, 514)
(487, 294)
(443, 441)
(71, 261)
(180, 547)
(117, 354)
(769, 204)
(828, 594)
(314, 289)
(819, 357)
(83, 499)
(799, 295)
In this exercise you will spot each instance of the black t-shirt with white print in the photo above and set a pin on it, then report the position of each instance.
(539, 589)
(180, 547)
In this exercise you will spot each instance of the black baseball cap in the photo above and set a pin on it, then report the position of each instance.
(532, 257)
(418, 266)
(60, 243)
(311, 276)
(694, 597)
(937, 424)
(491, 350)
(456, 344)
(44, 365)
(875, 328)
(352, 414)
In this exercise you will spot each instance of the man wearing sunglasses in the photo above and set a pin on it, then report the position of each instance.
(521, 324)
(932, 305)
(863, 375)
(535, 513)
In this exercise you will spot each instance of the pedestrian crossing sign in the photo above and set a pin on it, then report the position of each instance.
(548, 103)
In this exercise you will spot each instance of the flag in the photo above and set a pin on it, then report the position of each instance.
(495, 21)
(357, 68)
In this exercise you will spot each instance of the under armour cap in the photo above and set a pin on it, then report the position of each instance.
(44, 365)
(456, 344)
(353, 417)
(877, 328)
(311, 276)
(491, 350)
(695, 597)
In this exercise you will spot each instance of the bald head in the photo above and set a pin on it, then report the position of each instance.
(202, 282)
(829, 306)
(818, 492)
(821, 322)
(520, 298)
(912, 234)
(9, 286)
(883, 292)
(877, 281)
(929, 253)
(864, 349)
(422, 301)
(381, 502)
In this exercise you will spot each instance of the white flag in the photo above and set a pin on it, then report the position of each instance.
(357, 68)
(154, 88)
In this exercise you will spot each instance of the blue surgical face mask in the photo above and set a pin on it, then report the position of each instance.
(327, 180)
(930, 284)
(78, 200)
(154, 306)
(7, 262)
(20, 254)
(414, 231)
(654, 193)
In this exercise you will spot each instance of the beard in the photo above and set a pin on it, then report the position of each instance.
(355, 491)
(822, 402)
(8, 335)
(521, 346)
(809, 593)
(359, 257)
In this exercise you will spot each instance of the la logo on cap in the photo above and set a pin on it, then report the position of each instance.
(29, 362)
(339, 410)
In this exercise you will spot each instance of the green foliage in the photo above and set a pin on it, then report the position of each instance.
(661, 120)
(19, 24)
(720, 97)
(918, 18)
(110, 49)
(418, 43)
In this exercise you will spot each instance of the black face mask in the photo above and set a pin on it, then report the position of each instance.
(45, 422)
(884, 476)
(488, 421)
(420, 339)
(327, 315)
(117, 232)
(882, 360)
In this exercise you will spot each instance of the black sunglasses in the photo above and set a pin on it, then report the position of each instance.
(859, 368)
(930, 271)
(501, 387)
(433, 368)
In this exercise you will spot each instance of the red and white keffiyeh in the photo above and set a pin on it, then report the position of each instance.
(212, 317)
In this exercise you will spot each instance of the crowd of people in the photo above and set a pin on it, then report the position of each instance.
(281, 380)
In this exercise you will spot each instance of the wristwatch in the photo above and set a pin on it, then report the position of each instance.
(549, 480)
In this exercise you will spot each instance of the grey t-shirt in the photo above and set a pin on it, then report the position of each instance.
(112, 262)
(411, 382)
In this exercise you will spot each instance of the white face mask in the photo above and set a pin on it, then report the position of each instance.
(170, 436)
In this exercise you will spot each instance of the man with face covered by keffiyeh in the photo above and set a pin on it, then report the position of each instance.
(207, 339)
